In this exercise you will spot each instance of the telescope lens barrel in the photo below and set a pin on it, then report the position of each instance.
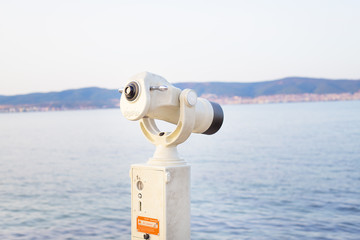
(150, 96)
(131, 91)
(217, 119)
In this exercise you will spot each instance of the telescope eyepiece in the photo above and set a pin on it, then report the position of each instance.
(131, 91)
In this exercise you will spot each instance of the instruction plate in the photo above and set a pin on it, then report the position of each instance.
(147, 225)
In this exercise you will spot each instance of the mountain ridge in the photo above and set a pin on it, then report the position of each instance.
(289, 85)
(95, 97)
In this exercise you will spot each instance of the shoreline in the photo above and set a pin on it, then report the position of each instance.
(235, 100)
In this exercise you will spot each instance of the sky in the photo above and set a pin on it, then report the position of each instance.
(55, 45)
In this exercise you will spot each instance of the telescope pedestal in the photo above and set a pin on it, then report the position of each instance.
(160, 202)
(160, 189)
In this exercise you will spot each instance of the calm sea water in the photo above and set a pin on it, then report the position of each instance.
(277, 171)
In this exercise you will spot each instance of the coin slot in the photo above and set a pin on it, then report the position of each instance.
(139, 185)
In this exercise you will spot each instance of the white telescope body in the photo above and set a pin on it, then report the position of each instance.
(156, 98)
(160, 189)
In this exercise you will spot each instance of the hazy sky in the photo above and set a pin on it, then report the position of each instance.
(56, 45)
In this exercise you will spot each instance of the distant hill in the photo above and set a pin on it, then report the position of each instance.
(290, 85)
(94, 97)
(86, 97)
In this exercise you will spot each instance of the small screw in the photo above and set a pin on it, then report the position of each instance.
(139, 195)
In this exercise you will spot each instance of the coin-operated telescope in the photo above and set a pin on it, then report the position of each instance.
(160, 189)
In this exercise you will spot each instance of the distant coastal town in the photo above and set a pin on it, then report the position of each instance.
(32, 108)
(224, 100)
(284, 98)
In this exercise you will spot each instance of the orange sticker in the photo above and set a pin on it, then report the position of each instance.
(147, 225)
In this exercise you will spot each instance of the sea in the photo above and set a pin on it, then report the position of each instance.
(273, 171)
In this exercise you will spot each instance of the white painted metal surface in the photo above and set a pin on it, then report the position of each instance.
(165, 197)
(160, 189)
(164, 105)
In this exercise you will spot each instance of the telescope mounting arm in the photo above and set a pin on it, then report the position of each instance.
(166, 142)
